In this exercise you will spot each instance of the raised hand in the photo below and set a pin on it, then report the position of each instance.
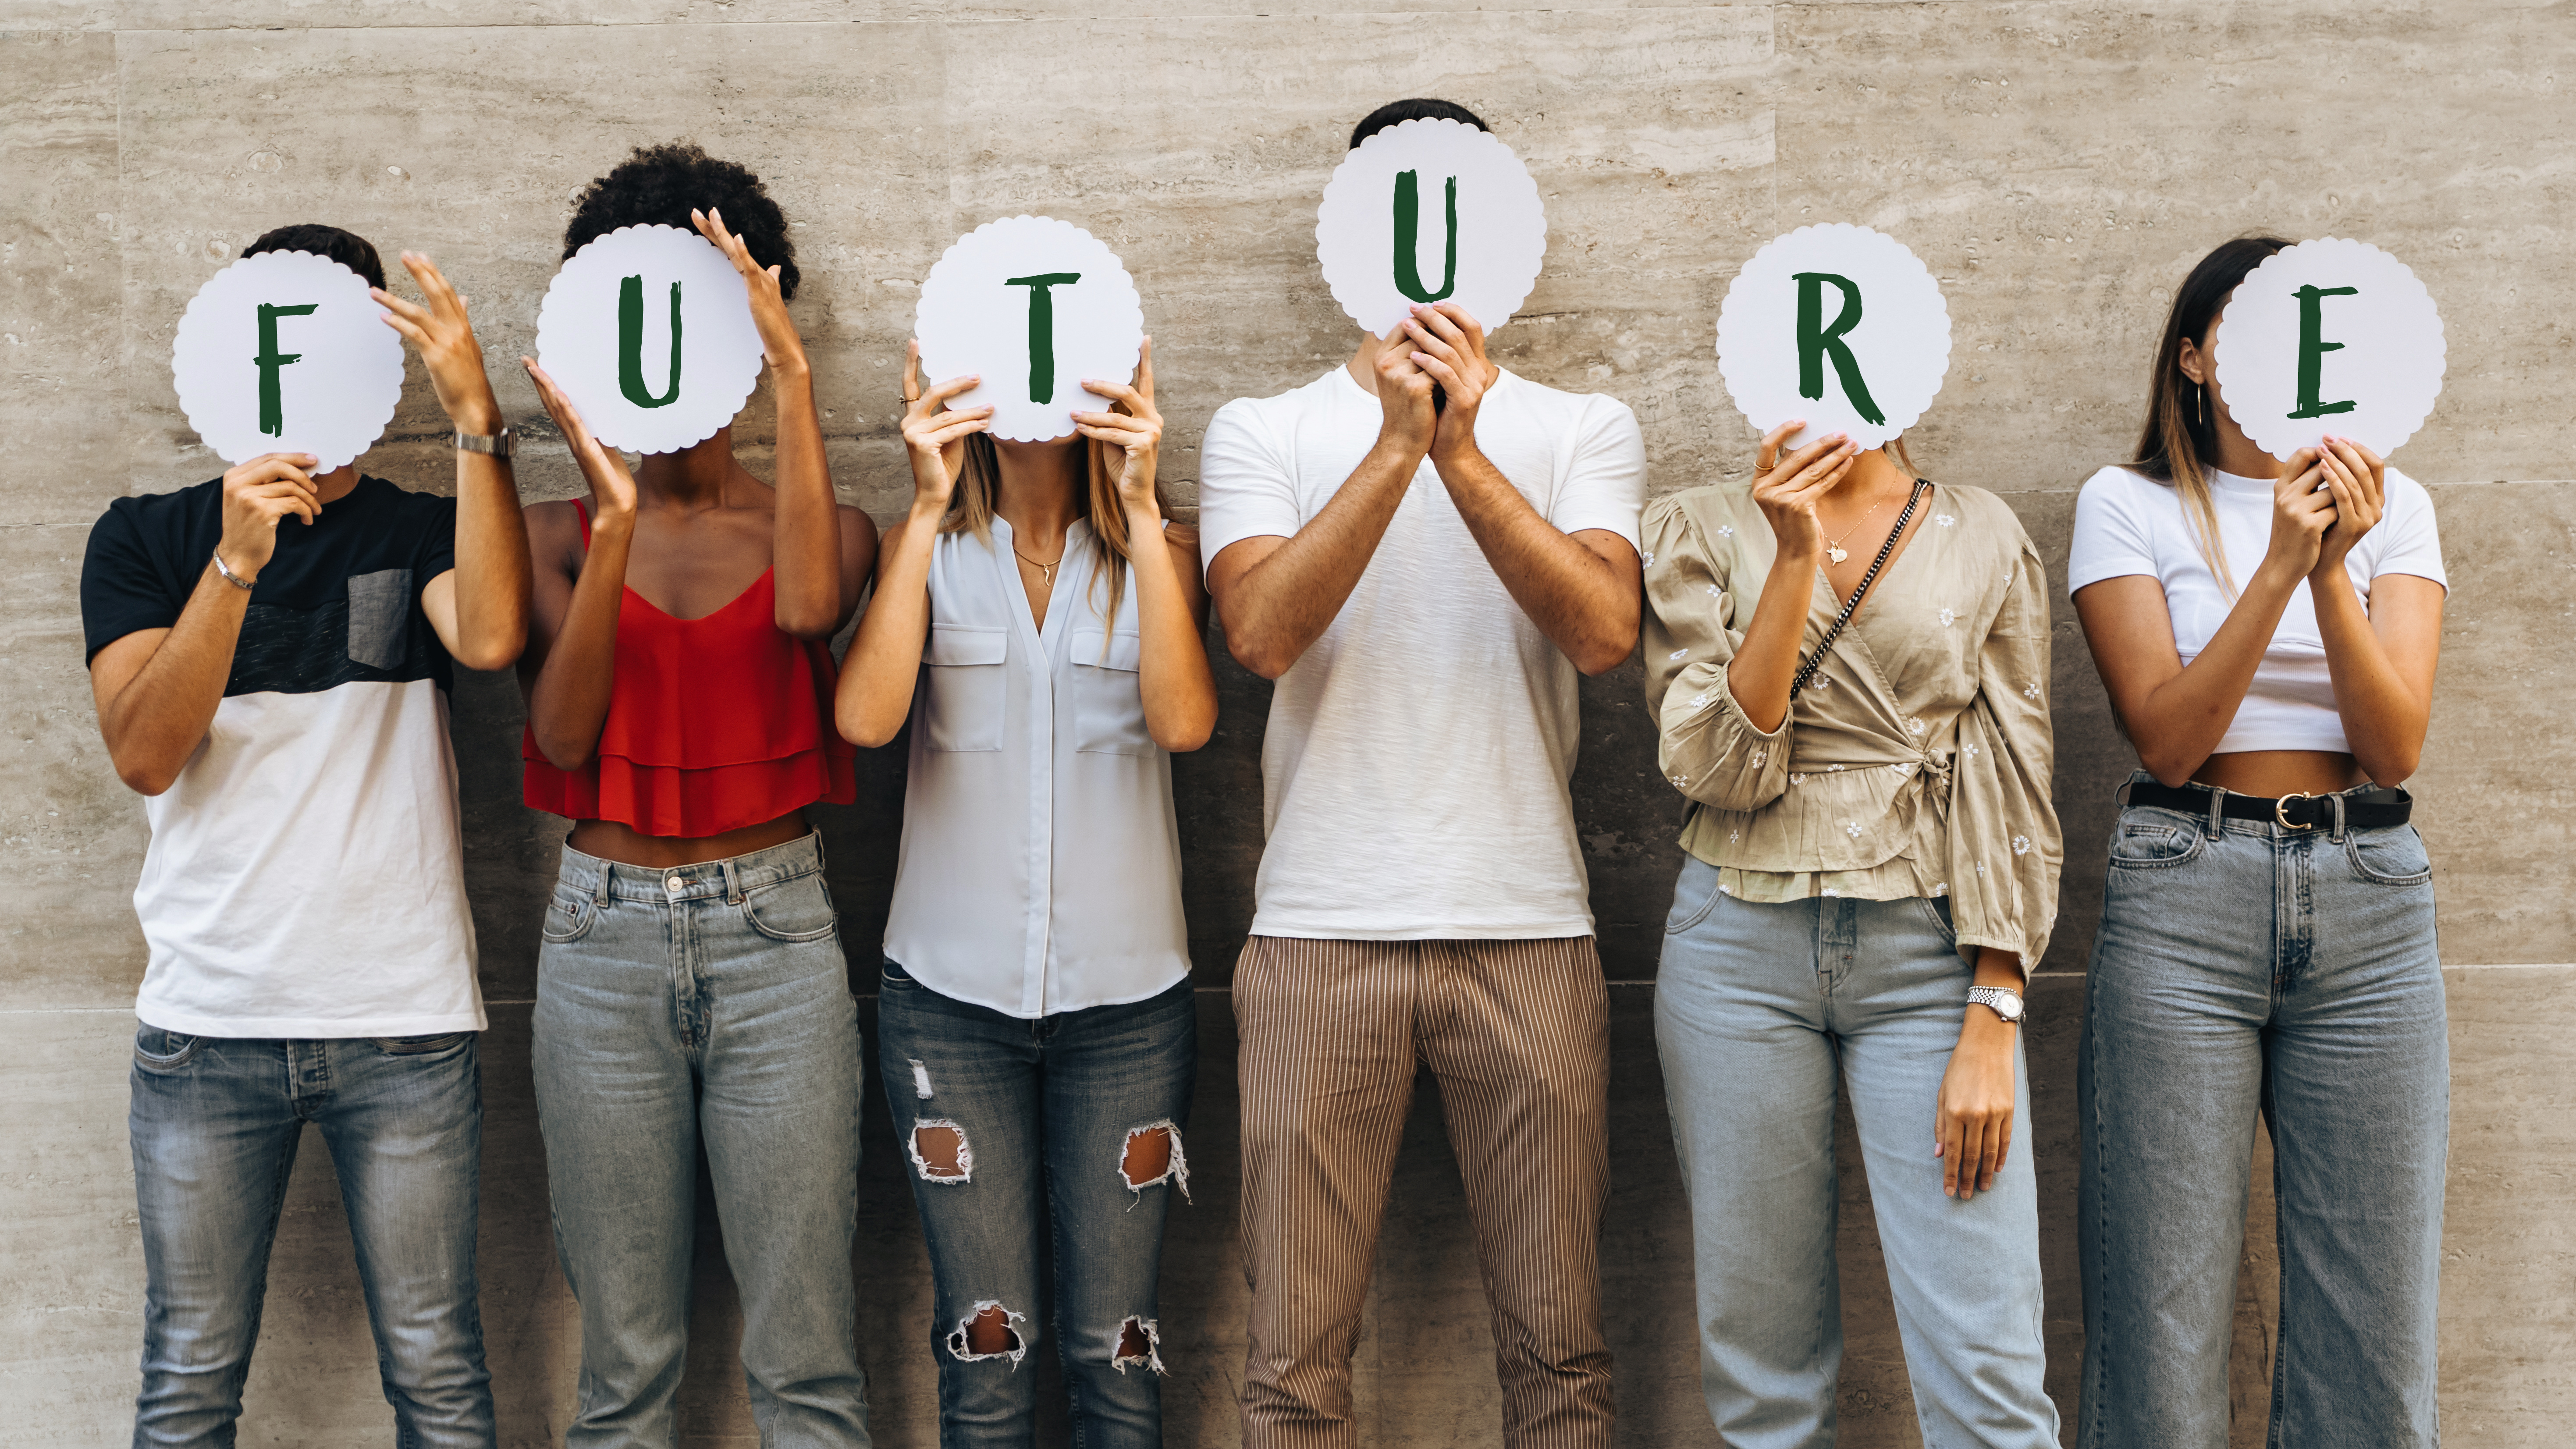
(2357, 480)
(257, 496)
(1404, 395)
(439, 329)
(2301, 513)
(1449, 345)
(934, 438)
(605, 471)
(1790, 484)
(780, 347)
(1138, 431)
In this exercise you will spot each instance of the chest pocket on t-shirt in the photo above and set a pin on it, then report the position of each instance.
(963, 693)
(1108, 698)
(380, 618)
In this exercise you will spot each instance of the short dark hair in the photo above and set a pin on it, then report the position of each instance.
(1396, 113)
(658, 185)
(347, 248)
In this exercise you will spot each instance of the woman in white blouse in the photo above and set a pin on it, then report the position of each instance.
(1849, 666)
(2267, 631)
(1038, 625)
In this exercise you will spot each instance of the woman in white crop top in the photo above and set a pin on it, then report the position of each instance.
(2267, 632)
(1038, 625)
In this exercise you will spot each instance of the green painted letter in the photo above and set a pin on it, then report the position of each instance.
(272, 411)
(1816, 341)
(1408, 226)
(2313, 350)
(1042, 329)
(630, 345)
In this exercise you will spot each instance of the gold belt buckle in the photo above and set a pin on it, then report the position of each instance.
(2281, 810)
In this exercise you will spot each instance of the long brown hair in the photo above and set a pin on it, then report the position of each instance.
(2179, 444)
(979, 481)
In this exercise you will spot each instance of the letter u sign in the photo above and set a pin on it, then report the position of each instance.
(1408, 229)
(630, 346)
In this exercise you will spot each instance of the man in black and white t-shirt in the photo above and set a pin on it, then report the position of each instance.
(270, 653)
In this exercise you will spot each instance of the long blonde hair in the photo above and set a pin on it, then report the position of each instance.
(2179, 443)
(979, 480)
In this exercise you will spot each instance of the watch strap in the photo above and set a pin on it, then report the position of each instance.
(1994, 997)
(495, 445)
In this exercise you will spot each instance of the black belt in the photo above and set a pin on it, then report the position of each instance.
(2369, 809)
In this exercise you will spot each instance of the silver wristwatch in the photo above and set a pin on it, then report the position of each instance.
(496, 445)
(2004, 1001)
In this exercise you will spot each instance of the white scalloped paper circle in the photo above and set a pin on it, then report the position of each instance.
(1901, 344)
(1502, 224)
(333, 399)
(2384, 348)
(578, 343)
(970, 319)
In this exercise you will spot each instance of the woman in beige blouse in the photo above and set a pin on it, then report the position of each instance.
(1869, 838)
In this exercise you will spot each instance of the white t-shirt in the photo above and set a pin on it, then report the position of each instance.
(2126, 523)
(1415, 770)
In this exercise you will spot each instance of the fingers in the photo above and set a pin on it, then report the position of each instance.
(411, 312)
(1998, 1143)
(911, 371)
(937, 397)
(974, 421)
(1970, 1157)
(1949, 1144)
(1145, 371)
(1441, 372)
(1768, 455)
(1114, 391)
(432, 282)
(1471, 333)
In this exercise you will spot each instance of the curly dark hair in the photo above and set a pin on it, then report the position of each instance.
(659, 184)
(1420, 108)
(347, 248)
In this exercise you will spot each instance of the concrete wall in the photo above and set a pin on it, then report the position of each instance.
(2060, 165)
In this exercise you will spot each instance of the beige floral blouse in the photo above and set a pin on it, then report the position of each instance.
(1915, 763)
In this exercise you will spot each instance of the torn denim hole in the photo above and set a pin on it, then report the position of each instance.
(1176, 1171)
(961, 1170)
(1140, 1342)
(986, 1308)
(920, 1079)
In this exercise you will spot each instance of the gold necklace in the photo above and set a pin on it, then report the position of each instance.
(1834, 546)
(1046, 571)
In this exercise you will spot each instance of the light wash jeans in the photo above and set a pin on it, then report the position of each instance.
(703, 1003)
(2245, 966)
(215, 1122)
(1045, 1108)
(1759, 1009)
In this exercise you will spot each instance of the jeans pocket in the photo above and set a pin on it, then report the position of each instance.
(161, 1050)
(2147, 838)
(1679, 920)
(380, 618)
(1937, 911)
(569, 917)
(792, 910)
(422, 1046)
(2391, 856)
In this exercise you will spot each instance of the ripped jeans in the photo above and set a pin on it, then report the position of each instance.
(1036, 1161)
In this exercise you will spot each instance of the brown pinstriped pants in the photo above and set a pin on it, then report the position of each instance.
(1518, 1033)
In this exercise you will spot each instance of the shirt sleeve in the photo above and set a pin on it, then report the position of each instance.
(437, 552)
(2005, 849)
(1708, 749)
(2112, 538)
(1605, 486)
(122, 588)
(2415, 541)
(1246, 489)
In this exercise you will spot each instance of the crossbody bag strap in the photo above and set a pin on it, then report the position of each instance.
(1808, 666)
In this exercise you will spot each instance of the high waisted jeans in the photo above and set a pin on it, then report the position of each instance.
(2245, 966)
(703, 1003)
(1045, 1109)
(1758, 1009)
(215, 1123)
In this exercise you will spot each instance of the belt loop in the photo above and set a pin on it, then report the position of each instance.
(2217, 809)
(2337, 834)
(733, 882)
(817, 838)
(599, 884)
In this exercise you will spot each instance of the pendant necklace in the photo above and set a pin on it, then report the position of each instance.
(1046, 571)
(1834, 549)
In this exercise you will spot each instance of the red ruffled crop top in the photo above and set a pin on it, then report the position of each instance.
(713, 724)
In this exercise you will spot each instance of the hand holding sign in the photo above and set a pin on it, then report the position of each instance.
(283, 353)
(649, 334)
(1838, 325)
(2325, 337)
(1430, 211)
(1029, 305)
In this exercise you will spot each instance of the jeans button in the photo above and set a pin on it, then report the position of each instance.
(674, 884)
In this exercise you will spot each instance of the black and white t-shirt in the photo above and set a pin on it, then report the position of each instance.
(306, 872)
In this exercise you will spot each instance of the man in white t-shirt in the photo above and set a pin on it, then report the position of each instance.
(1422, 549)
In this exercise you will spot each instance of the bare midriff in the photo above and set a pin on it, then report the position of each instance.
(626, 845)
(2281, 772)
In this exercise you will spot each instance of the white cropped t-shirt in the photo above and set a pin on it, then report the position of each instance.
(2127, 523)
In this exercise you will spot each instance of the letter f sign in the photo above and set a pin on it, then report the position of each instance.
(272, 408)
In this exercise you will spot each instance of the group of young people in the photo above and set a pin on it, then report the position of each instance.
(1849, 666)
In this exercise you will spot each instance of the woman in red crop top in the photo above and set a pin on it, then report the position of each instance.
(690, 984)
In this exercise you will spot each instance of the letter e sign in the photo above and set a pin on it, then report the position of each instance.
(2330, 336)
